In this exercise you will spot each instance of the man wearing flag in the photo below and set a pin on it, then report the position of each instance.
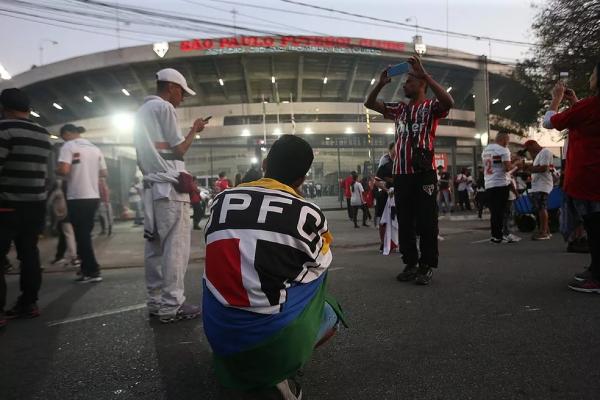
(265, 302)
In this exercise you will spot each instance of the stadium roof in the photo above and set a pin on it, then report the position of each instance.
(248, 69)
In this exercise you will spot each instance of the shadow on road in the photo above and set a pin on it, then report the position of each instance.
(184, 360)
(30, 360)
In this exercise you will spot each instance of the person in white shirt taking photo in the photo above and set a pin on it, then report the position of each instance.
(542, 183)
(497, 168)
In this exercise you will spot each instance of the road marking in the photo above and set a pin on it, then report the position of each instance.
(97, 314)
(481, 241)
(335, 269)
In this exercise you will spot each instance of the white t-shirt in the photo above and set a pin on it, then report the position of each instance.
(464, 182)
(511, 194)
(156, 132)
(86, 163)
(134, 193)
(494, 157)
(542, 181)
(356, 199)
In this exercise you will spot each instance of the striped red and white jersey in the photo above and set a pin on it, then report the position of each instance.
(415, 128)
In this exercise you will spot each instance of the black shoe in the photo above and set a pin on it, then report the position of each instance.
(409, 273)
(424, 275)
(23, 311)
(367, 225)
(197, 228)
(584, 276)
(356, 226)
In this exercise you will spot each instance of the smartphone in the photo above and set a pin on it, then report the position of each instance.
(207, 118)
(398, 69)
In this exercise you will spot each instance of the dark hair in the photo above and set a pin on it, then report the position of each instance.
(597, 77)
(289, 159)
(162, 86)
(222, 174)
(71, 128)
(391, 146)
(15, 100)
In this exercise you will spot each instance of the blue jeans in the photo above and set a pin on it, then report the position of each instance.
(444, 201)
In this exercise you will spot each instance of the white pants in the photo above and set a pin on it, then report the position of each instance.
(105, 212)
(67, 230)
(166, 257)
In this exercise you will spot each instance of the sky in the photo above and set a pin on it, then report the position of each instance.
(506, 19)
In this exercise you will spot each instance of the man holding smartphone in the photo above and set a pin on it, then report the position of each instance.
(415, 180)
(160, 149)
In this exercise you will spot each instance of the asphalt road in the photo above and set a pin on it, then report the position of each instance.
(498, 322)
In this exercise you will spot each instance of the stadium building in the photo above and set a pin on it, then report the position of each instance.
(256, 88)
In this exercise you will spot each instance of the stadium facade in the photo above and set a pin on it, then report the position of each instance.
(256, 88)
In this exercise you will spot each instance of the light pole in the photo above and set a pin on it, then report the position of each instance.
(414, 18)
(41, 48)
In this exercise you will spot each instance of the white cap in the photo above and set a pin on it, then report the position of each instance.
(174, 76)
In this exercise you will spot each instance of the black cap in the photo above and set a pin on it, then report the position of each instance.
(71, 128)
(14, 99)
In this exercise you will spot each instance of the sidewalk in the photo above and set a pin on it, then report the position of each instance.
(125, 247)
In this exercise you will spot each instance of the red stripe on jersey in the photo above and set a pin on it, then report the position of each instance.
(224, 271)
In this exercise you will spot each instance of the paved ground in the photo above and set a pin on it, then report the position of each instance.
(497, 323)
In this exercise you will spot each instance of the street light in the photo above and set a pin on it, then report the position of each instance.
(41, 48)
(420, 47)
(414, 18)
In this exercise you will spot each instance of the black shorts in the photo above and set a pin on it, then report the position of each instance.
(539, 200)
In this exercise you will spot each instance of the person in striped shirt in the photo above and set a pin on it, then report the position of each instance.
(415, 180)
(24, 150)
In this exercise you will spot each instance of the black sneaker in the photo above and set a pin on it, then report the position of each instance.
(496, 240)
(424, 275)
(23, 311)
(409, 273)
(584, 276)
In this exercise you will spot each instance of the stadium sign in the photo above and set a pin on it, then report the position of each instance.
(269, 44)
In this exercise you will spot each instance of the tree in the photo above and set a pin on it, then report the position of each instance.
(568, 40)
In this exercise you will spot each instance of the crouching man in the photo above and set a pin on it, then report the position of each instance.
(265, 302)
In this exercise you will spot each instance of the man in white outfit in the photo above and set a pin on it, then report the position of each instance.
(160, 149)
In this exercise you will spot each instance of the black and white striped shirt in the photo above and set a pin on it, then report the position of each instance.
(24, 150)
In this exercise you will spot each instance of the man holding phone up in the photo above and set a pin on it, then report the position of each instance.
(415, 179)
(160, 149)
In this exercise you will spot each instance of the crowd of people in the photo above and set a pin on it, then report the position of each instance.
(265, 301)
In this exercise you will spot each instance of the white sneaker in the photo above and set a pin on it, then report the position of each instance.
(510, 238)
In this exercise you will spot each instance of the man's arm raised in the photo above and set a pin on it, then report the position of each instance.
(372, 103)
(446, 101)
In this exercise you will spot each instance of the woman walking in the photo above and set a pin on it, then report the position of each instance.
(356, 200)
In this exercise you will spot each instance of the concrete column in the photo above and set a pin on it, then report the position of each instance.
(481, 91)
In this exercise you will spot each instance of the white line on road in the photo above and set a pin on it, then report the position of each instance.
(481, 241)
(97, 314)
(335, 268)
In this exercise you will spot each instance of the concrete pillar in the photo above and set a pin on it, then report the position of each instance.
(481, 90)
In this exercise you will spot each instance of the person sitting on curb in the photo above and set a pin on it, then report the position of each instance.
(265, 306)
